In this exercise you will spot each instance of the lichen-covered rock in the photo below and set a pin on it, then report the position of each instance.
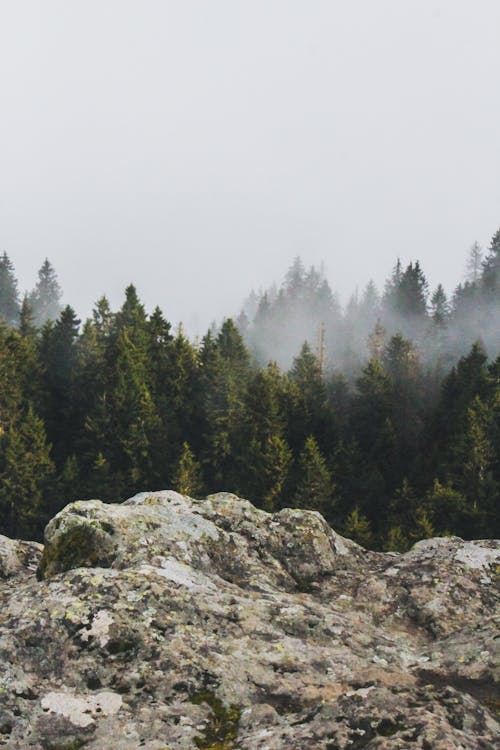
(18, 558)
(167, 622)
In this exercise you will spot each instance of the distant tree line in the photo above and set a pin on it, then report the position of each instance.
(398, 447)
(276, 321)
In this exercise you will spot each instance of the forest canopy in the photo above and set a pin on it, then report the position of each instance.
(384, 416)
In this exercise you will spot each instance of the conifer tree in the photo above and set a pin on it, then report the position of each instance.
(46, 296)
(273, 461)
(26, 471)
(440, 309)
(446, 508)
(396, 540)
(490, 277)
(262, 454)
(9, 295)
(357, 527)
(474, 263)
(68, 486)
(309, 412)
(187, 477)
(315, 488)
(26, 319)
(59, 355)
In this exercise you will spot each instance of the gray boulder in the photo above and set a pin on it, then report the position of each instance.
(168, 623)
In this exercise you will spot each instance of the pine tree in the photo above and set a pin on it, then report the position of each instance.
(376, 461)
(315, 488)
(490, 278)
(440, 309)
(357, 527)
(476, 453)
(187, 477)
(274, 459)
(27, 470)
(308, 410)
(376, 342)
(9, 295)
(406, 292)
(262, 455)
(446, 508)
(224, 371)
(59, 355)
(134, 414)
(422, 528)
(46, 296)
(26, 319)
(474, 263)
(67, 487)
(396, 540)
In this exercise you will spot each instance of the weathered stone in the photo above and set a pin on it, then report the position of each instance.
(167, 622)
(18, 558)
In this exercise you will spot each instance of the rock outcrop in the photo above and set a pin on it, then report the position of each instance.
(167, 623)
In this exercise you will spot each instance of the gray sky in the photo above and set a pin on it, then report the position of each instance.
(195, 147)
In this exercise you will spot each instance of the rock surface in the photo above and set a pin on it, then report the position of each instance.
(167, 623)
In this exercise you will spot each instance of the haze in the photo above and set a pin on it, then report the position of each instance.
(195, 148)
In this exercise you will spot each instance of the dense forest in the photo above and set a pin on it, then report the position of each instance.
(385, 417)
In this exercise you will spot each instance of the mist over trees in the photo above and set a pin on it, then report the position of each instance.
(385, 416)
(277, 321)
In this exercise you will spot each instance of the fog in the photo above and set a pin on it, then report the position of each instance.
(196, 148)
(277, 321)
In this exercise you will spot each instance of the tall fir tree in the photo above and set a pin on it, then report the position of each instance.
(9, 295)
(315, 488)
(26, 471)
(187, 476)
(45, 299)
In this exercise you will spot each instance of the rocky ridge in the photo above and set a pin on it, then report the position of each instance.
(168, 623)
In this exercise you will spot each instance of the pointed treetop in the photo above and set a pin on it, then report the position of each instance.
(9, 295)
(46, 296)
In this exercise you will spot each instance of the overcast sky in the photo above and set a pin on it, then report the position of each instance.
(195, 147)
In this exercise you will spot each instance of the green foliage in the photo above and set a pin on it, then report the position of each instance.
(187, 477)
(357, 527)
(9, 295)
(26, 471)
(315, 488)
(396, 540)
(45, 297)
(121, 404)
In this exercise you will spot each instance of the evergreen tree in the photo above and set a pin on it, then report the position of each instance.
(134, 415)
(440, 309)
(315, 488)
(273, 459)
(490, 277)
(224, 371)
(308, 410)
(396, 540)
(59, 354)
(26, 471)
(476, 454)
(262, 454)
(26, 319)
(446, 509)
(413, 292)
(68, 486)
(474, 263)
(9, 295)
(376, 342)
(46, 296)
(187, 477)
(357, 527)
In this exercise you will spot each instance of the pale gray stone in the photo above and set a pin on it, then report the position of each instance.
(167, 622)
